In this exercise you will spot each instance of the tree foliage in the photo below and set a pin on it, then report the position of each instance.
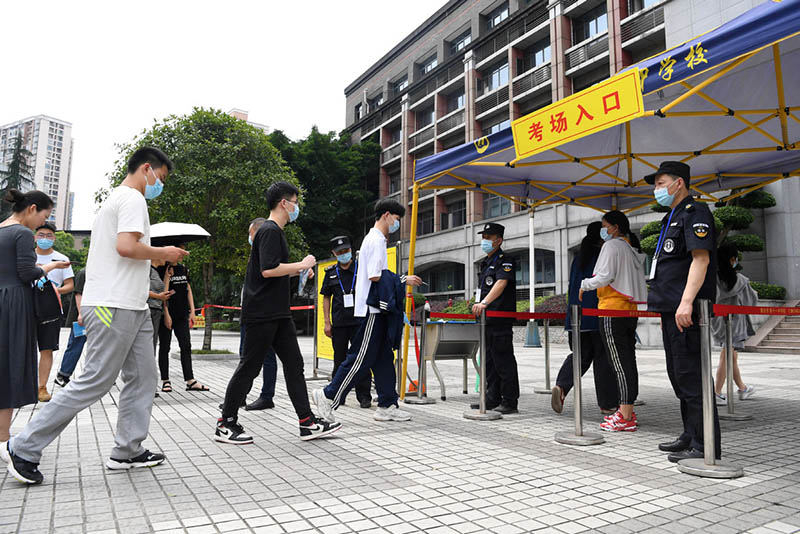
(758, 199)
(65, 244)
(651, 228)
(222, 169)
(734, 217)
(17, 175)
(337, 176)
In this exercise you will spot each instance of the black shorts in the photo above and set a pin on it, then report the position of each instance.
(47, 335)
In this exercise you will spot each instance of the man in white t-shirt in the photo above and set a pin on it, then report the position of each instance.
(64, 279)
(119, 330)
(370, 349)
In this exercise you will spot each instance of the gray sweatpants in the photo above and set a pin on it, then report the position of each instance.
(117, 342)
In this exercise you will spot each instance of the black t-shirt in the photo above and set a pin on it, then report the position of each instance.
(690, 226)
(336, 279)
(499, 266)
(178, 303)
(266, 299)
(80, 281)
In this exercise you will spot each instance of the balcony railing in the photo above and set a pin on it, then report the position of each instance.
(451, 121)
(492, 100)
(420, 138)
(515, 29)
(392, 152)
(586, 51)
(642, 22)
(532, 79)
(381, 115)
(437, 78)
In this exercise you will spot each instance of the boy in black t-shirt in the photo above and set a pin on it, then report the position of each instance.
(267, 321)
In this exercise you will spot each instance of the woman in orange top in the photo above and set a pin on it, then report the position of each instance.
(620, 283)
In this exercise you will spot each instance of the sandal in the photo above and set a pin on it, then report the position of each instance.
(166, 387)
(194, 385)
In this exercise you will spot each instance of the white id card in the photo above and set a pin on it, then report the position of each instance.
(348, 300)
(653, 269)
(478, 295)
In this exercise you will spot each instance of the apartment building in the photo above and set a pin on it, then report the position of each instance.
(50, 143)
(472, 68)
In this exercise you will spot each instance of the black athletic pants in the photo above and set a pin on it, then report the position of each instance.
(592, 353)
(281, 336)
(180, 325)
(684, 370)
(619, 339)
(342, 338)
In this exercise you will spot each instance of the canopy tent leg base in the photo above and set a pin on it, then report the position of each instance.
(418, 400)
(698, 467)
(543, 391)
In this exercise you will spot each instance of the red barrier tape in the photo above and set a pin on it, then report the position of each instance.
(524, 315)
(726, 309)
(619, 313)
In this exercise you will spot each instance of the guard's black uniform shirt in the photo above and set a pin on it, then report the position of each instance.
(690, 226)
(499, 266)
(331, 287)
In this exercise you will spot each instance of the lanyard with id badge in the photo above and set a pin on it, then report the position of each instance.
(661, 237)
(480, 282)
(347, 298)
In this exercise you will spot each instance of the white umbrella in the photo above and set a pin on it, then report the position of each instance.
(172, 233)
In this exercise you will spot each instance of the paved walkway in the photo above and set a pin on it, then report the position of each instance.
(436, 474)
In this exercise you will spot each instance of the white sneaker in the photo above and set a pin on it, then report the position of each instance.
(323, 403)
(722, 400)
(746, 393)
(4, 456)
(392, 413)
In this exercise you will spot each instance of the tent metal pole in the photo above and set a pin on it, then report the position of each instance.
(776, 56)
(706, 82)
(412, 247)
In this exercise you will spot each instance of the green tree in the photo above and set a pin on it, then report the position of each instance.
(222, 169)
(65, 244)
(17, 175)
(339, 178)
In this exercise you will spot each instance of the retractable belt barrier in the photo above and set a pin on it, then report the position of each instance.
(292, 308)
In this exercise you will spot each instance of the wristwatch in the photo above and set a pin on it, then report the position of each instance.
(484, 303)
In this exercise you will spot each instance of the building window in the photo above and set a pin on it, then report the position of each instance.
(425, 223)
(592, 23)
(455, 101)
(498, 77)
(394, 136)
(496, 16)
(444, 219)
(428, 65)
(545, 266)
(458, 213)
(394, 183)
(496, 127)
(400, 85)
(494, 206)
(459, 43)
(448, 277)
(375, 102)
(638, 5)
(539, 54)
(424, 117)
(357, 113)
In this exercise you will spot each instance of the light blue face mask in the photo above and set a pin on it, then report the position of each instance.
(152, 191)
(345, 258)
(395, 226)
(604, 234)
(293, 215)
(250, 240)
(45, 244)
(487, 246)
(663, 196)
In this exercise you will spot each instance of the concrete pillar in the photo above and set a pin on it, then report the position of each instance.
(514, 54)
(618, 58)
(560, 39)
(782, 239)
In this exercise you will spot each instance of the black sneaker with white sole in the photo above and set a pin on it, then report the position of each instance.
(146, 459)
(316, 427)
(230, 431)
(23, 470)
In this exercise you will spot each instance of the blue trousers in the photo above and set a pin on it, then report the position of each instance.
(270, 368)
(369, 350)
(73, 353)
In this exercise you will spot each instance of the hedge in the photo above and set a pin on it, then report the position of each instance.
(769, 291)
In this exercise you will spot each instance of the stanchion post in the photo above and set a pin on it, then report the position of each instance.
(708, 466)
(730, 415)
(548, 387)
(482, 414)
(578, 437)
(316, 323)
(421, 397)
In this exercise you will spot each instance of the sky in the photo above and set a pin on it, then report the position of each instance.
(111, 68)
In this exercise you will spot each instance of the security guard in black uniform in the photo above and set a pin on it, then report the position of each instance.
(683, 271)
(338, 287)
(497, 291)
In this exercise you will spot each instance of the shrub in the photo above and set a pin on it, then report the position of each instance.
(649, 244)
(734, 217)
(746, 242)
(230, 327)
(759, 199)
(651, 228)
(769, 291)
